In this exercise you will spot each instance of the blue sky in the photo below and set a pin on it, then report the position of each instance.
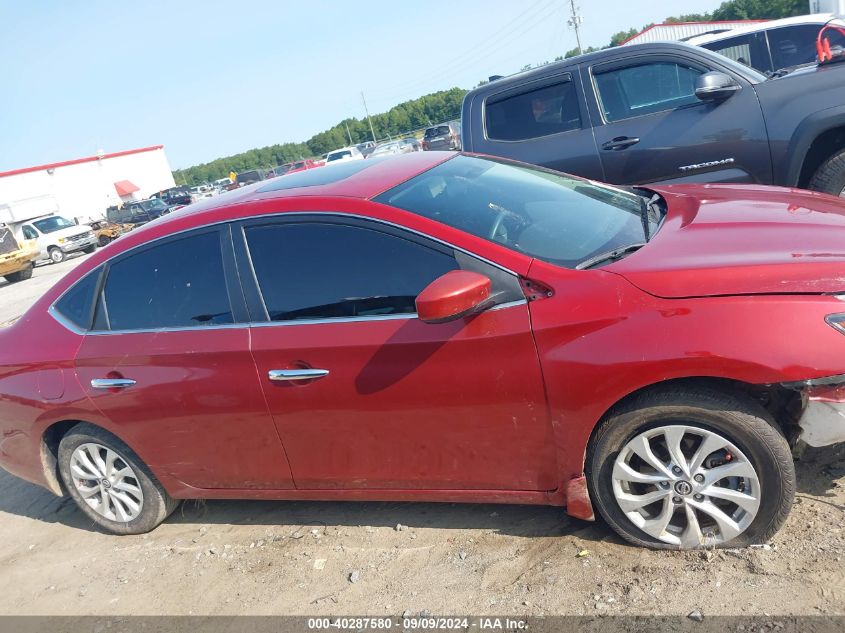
(209, 79)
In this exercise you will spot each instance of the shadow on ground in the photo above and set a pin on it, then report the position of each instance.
(818, 470)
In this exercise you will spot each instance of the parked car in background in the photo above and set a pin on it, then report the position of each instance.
(221, 183)
(109, 231)
(608, 350)
(175, 196)
(138, 212)
(773, 45)
(413, 143)
(343, 155)
(666, 112)
(366, 148)
(443, 137)
(390, 148)
(17, 257)
(295, 166)
(251, 176)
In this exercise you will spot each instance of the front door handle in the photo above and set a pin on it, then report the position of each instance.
(112, 383)
(620, 142)
(289, 375)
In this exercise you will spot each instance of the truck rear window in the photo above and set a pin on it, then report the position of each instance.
(542, 112)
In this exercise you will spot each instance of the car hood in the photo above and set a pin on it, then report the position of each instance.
(742, 240)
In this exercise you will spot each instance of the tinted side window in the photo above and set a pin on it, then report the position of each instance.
(645, 89)
(533, 114)
(77, 304)
(795, 45)
(749, 49)
(320, 271)
(178, 283)
(29, 233)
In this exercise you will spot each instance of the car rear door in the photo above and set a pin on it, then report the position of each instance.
(544, 122)
(168, 363)
(365, 395)
(650, 126)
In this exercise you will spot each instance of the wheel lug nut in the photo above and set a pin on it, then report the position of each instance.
(699, 497)
(676, 470)
(676, 499)
(664, 484)
(699, 478)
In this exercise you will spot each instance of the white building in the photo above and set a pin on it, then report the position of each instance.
(675, 31)
(84, 187)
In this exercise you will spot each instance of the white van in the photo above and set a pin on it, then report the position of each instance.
(343, 155)
(57, 236)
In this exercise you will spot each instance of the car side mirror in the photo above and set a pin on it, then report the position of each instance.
(456, 294)
(715, 86)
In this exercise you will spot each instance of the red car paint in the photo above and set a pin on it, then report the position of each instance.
(496, 407)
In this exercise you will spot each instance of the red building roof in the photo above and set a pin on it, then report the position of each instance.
(77, 161)
(125, 188)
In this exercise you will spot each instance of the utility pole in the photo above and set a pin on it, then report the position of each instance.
(347, 132)
(372, 131)
(575, 22)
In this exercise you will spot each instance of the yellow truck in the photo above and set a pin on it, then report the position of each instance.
(16, 258)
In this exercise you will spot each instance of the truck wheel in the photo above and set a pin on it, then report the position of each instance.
(689, 468)
(57, 255)
(103, 240)
(90, 249)
(830, 177)
(20, 275)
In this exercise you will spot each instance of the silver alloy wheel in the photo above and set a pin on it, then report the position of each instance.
(686, 486)
(106, 482)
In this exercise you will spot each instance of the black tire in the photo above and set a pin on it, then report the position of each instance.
(830, 177)
(156, 506)
(90, 249)
(57, 255)
(20, 275)
(103, 240)
(731, 415)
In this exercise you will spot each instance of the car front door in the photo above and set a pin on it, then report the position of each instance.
(168, 363)
(364, 394)
(652, 128)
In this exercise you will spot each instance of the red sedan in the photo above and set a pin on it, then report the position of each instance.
(444, 327)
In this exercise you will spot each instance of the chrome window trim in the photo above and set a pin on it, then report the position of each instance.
(256, 324)
(63, 321)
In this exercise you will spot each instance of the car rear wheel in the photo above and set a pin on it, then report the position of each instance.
(111, 485)
(57, 255)
(689, 469)
(830, 177)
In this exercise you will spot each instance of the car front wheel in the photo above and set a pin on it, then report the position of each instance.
(830, 177)
(688, 469)
(57, 255)
(110, 484)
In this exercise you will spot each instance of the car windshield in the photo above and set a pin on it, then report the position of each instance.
(153, 205)
(555, 217)
(53, 223)
(338, 156)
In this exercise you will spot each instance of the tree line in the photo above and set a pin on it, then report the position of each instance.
(410, 115)
(444, 105)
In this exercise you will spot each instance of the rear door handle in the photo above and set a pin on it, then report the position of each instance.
(289, 375)
(621, 142)
(112, 383)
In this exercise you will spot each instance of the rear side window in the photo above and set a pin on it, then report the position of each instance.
(325, 271)
(77, 304)
(179, 283)
(645, 89)
(533, 114)
(750, 50)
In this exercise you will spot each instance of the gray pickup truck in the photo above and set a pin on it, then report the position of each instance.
(668, 113)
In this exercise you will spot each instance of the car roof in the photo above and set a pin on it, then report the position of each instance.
(818, 19)
(354, 179)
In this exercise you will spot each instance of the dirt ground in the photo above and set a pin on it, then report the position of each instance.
(259, 558)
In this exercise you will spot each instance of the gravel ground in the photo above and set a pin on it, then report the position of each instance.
(247, 557)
